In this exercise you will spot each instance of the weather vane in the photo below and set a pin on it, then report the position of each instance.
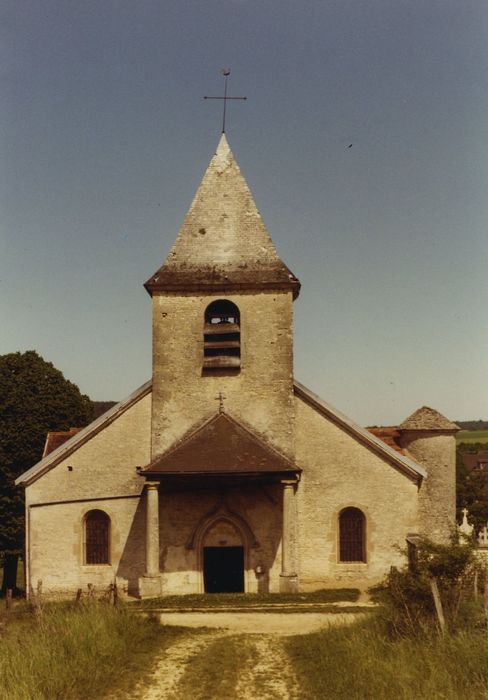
(225, 73)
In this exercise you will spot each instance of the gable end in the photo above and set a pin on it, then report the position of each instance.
(402, 462)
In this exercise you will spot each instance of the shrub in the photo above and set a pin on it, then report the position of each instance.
(446, 569)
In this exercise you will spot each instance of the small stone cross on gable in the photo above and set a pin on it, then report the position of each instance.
(220, 398)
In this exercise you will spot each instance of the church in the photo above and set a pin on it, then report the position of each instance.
(223, 473)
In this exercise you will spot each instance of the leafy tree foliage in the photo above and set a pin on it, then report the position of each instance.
(100, 407)
(35, 398)
(472, 487)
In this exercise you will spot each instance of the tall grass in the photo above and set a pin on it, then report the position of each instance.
(364, 661)
(76, 653)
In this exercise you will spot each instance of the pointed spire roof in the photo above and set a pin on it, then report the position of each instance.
(427, 418)
(223, 242)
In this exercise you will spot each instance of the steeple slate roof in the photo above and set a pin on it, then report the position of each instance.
(427, 418)
(223, 242)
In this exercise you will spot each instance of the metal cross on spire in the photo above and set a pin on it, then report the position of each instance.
(225, 73)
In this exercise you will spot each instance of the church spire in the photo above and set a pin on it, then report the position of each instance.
(223, 242)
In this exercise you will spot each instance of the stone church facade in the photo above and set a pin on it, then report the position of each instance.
(223, 473)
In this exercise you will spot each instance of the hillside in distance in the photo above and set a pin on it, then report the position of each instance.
(473, 424)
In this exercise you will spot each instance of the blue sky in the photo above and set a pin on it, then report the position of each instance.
(105, 137)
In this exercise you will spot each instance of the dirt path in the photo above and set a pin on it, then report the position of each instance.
(264, 673)
(270, 676)
(164, 683)
(259, 623)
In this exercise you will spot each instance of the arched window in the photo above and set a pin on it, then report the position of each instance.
(222, 336)
(352, 535)
(97, 537)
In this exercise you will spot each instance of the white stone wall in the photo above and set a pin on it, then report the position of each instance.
(103, 470)
(338, 471)
(56, 546)
(261, 394)
(180, 515)
(436, 451)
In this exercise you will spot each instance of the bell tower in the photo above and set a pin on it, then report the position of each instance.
(223, 317)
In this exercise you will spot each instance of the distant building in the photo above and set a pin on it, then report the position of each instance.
(224, 473)
(476, 461)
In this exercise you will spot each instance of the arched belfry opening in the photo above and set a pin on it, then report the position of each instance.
(222, 336)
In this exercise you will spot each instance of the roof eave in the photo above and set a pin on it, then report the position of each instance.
(406, 465)
(83, 436)
(151, 287)
(264, 472)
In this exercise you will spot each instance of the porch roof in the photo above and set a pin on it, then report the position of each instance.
(222, 446)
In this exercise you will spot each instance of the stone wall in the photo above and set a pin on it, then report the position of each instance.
(56, 545)
(436, 451)
(182, 513)
(102, 475)
(338, 472)
(261, 394)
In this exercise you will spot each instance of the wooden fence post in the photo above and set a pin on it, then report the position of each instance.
(8, 600)
(38, 599)
(485, 597)
(438, 604)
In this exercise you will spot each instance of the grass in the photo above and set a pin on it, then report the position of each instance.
(472, 436)
(75, 653)
(88, 651)
(362, 661)
(244, 600)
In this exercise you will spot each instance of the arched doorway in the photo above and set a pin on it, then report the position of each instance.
(223, 556)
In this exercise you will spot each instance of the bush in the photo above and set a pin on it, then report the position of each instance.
(446, 569)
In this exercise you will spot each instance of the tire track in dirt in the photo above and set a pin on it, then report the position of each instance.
(164, 682)
(265, 671)
(269, 676)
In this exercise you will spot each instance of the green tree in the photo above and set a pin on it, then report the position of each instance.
(34, 399)
(471, 486)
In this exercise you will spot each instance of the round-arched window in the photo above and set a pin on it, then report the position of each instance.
(352, 535)
(97, 537)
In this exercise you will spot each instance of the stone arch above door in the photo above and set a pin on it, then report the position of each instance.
(222, 514)
(222, 532)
